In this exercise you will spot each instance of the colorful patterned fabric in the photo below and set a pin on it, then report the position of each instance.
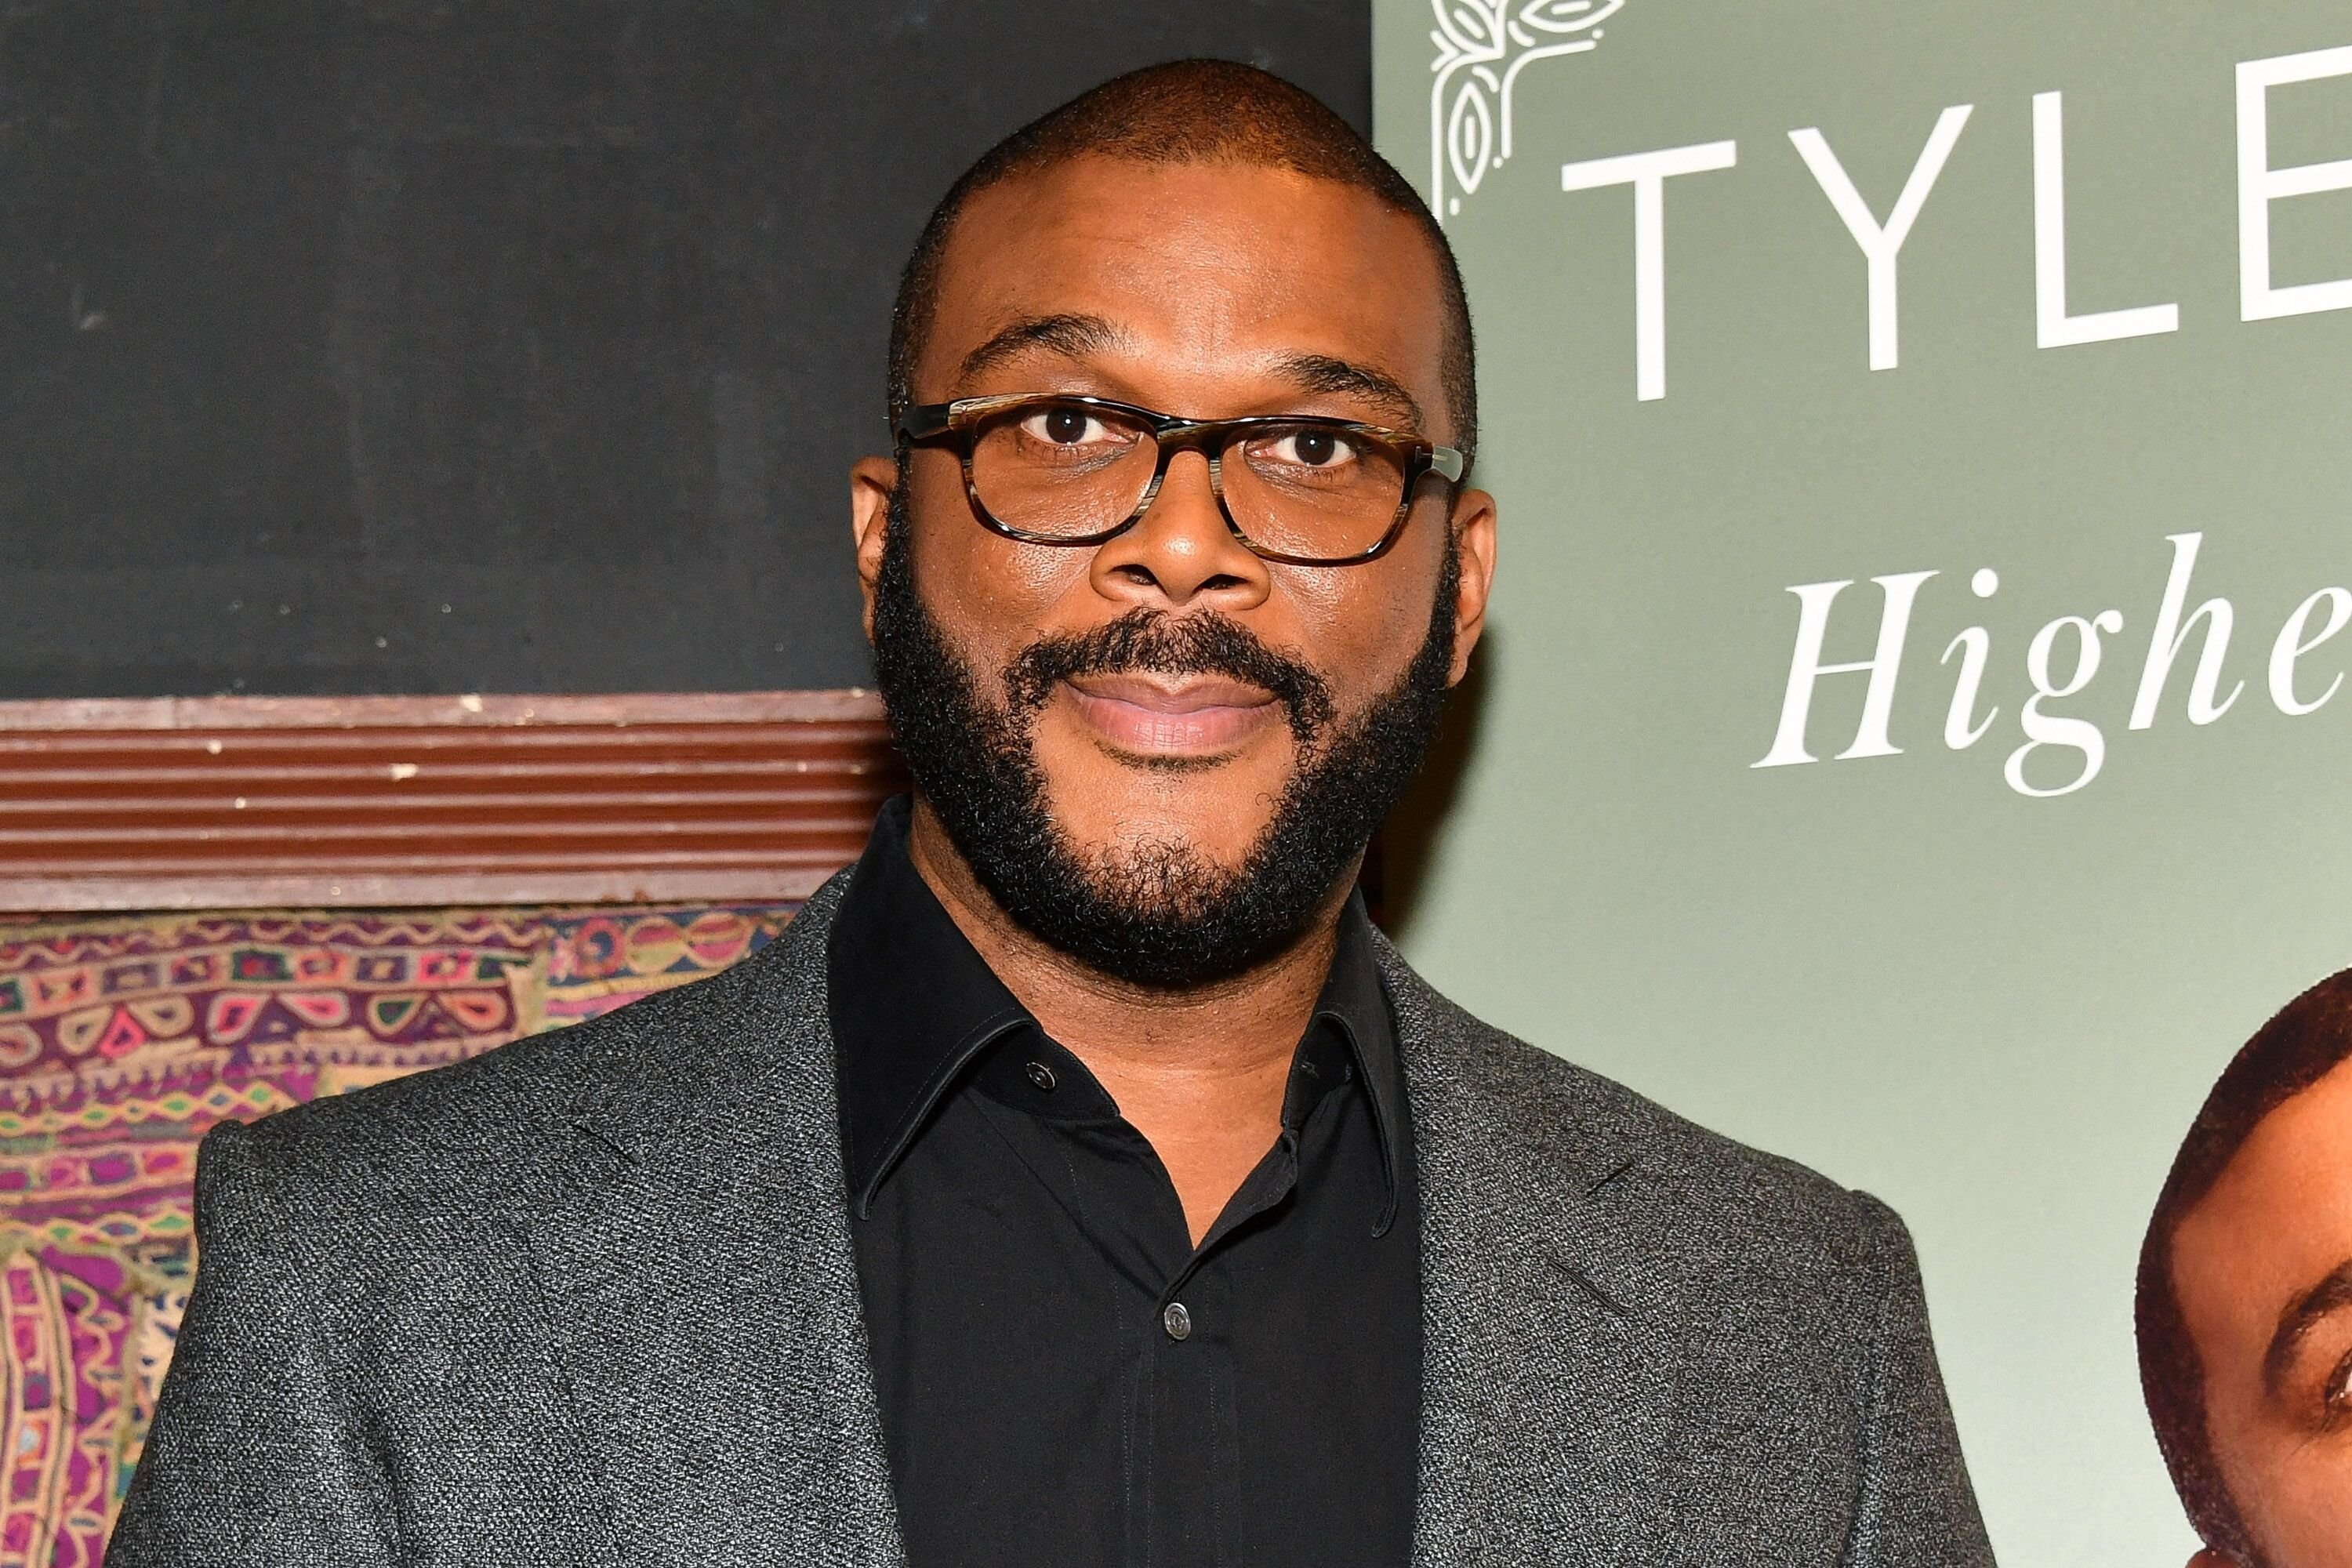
(123, 1041)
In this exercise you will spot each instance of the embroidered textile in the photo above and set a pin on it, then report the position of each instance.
(123, 1041)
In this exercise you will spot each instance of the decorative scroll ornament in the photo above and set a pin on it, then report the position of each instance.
(1481, 47)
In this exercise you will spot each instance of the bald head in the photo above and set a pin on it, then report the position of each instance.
(1190, 112)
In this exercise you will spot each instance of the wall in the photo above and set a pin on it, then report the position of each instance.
(1997, 1010)
(521, 346)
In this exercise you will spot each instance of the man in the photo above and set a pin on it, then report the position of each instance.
(2245, 1299)
(1081, 1179)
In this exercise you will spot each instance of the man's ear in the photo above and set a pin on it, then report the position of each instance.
(871, 483)
(1472, 519)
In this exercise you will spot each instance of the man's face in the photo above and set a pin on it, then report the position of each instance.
(2264, 1270)
(1206, 292)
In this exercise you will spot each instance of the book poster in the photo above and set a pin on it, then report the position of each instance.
(1914, 733)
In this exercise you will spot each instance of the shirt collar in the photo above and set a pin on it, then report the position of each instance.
(913, 1005)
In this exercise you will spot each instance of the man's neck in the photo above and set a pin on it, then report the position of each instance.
(1201, 1073)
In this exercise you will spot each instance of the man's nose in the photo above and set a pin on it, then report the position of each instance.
(1181, 552)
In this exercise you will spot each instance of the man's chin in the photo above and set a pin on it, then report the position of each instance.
(1207, 818)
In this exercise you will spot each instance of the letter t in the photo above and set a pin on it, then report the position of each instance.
(1647, 173)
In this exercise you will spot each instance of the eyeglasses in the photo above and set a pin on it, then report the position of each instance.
(1306, 491)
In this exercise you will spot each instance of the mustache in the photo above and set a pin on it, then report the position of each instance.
(1148, 641)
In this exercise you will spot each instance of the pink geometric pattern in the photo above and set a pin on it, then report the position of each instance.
(123, 1041)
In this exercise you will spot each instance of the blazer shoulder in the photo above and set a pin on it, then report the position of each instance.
(1575, 1127)
(472, 1132)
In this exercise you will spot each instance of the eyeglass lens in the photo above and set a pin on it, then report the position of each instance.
(1067, 470)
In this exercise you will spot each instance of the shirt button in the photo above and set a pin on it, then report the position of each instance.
(1041, 1074)
(1177, 1321)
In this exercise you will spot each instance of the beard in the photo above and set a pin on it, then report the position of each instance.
(1156, 912)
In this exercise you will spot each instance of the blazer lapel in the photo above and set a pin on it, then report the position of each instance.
(701, 1287)
(1548, 1411)
(697, 1268)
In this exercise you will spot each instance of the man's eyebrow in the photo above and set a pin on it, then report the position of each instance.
(1321, 373)
(2302, 1314)
(1071, 335)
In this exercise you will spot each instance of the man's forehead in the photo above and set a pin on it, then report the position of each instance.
(1215, 259)
(2280, 1217)
(1083, 339)
(2302, 1149)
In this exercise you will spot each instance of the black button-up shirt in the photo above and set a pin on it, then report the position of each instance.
(1065, 1379)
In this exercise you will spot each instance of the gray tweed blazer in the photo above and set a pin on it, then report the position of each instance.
(590, 1299)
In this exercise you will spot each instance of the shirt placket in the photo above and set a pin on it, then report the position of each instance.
(1192, 1383)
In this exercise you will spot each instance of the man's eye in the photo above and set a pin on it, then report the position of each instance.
(1312, 449)
(1064, 426)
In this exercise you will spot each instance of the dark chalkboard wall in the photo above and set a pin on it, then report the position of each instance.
(398, 347)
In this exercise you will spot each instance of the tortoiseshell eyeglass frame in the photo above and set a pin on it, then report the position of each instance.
(957, 425)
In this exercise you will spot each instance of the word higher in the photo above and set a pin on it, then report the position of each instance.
(2076, 746)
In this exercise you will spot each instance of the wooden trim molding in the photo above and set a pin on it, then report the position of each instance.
(260, 801)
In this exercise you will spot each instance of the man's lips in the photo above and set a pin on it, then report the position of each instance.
(1172, 716)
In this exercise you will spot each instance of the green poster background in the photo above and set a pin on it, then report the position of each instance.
(1997, 1010)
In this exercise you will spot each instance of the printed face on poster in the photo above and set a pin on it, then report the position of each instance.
(1916, 701)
